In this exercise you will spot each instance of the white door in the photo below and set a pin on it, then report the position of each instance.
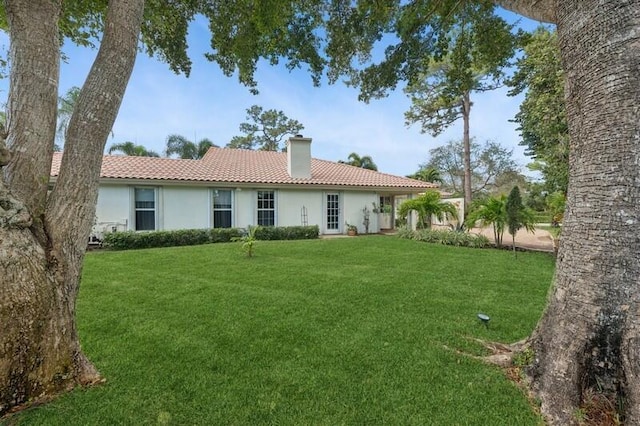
(385, 216)
(332, 213)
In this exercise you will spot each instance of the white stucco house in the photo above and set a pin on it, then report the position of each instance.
(237, 188)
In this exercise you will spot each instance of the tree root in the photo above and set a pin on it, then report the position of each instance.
(501, 354)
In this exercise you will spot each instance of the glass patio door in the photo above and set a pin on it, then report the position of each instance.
(333, 213)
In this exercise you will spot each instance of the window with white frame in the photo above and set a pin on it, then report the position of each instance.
(145, 209)
(222, 208)
(266, 208)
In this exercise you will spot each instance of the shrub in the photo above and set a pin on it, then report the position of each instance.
(286, 232)
(188, 237)
(446, 237)
(185, 237)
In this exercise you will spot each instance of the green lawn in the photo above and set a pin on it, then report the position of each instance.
(323, 332)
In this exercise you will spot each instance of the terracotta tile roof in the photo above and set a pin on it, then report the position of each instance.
(240, 166)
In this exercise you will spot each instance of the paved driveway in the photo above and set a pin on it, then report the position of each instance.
(538, 240)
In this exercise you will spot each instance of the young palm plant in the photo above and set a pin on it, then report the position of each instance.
(491, 211)
(428, 205)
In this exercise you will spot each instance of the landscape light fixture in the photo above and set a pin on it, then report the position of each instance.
(485, 319)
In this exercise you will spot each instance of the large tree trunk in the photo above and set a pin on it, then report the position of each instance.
(588, 338)
(42, 242)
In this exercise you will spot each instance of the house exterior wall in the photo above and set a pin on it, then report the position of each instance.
(113, 209)
(184, 207)
(290, 207)
(245, 208)
(353, 206)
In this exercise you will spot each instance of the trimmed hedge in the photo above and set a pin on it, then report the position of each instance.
(446, 237)
(186, 237)
(286, 232)
(189, 237)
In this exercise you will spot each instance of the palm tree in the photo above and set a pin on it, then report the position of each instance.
(184, 148)
(429, 174)
(366, 162)
(428, 205)
(66, 104)
(492, 211)
(131, 149)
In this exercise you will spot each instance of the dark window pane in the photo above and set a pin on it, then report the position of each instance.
(145, 220)
(222, 219)
(145, 198)
(266, 218)
(222, 199)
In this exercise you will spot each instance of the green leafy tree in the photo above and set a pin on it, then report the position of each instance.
(365, 162)
(428, 205)
(184, 148)
(265, 130)
(443, 94)
(132, 149)
(542, 117)
(489, 211)
(491, 163)
(517, 216)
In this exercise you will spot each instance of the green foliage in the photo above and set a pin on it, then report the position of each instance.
(490, 163)
(445, 237)
(438, 95)
(286, 232)
(428, 205)
(332, 331)
(517, 215)
(66, 104)
(556, 202)
(489, 211)
(524, 358)
(248, 240)
(468, 34)
(184, 148)
(187, 237)
(427, 174)
(132, 149)
(265, 130)
(542, 117)
(365, 162)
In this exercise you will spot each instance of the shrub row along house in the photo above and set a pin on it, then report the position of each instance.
(240, 188)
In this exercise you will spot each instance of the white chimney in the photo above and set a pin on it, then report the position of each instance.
(299, 157)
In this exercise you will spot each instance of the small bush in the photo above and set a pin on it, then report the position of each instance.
(445, 237)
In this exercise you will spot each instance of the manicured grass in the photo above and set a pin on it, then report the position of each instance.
(325, 332)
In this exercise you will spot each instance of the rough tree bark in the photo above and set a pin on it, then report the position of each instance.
(43, 239)
(589, 335)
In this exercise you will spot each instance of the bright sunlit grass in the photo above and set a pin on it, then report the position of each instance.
(339, 331)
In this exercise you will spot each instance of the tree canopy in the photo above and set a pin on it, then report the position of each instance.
(265, 129)
(490, 164)
(186, 149)
(132, 149)
(365, 161)
(542, 118)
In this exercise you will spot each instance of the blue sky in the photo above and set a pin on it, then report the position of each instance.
(158, 103)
